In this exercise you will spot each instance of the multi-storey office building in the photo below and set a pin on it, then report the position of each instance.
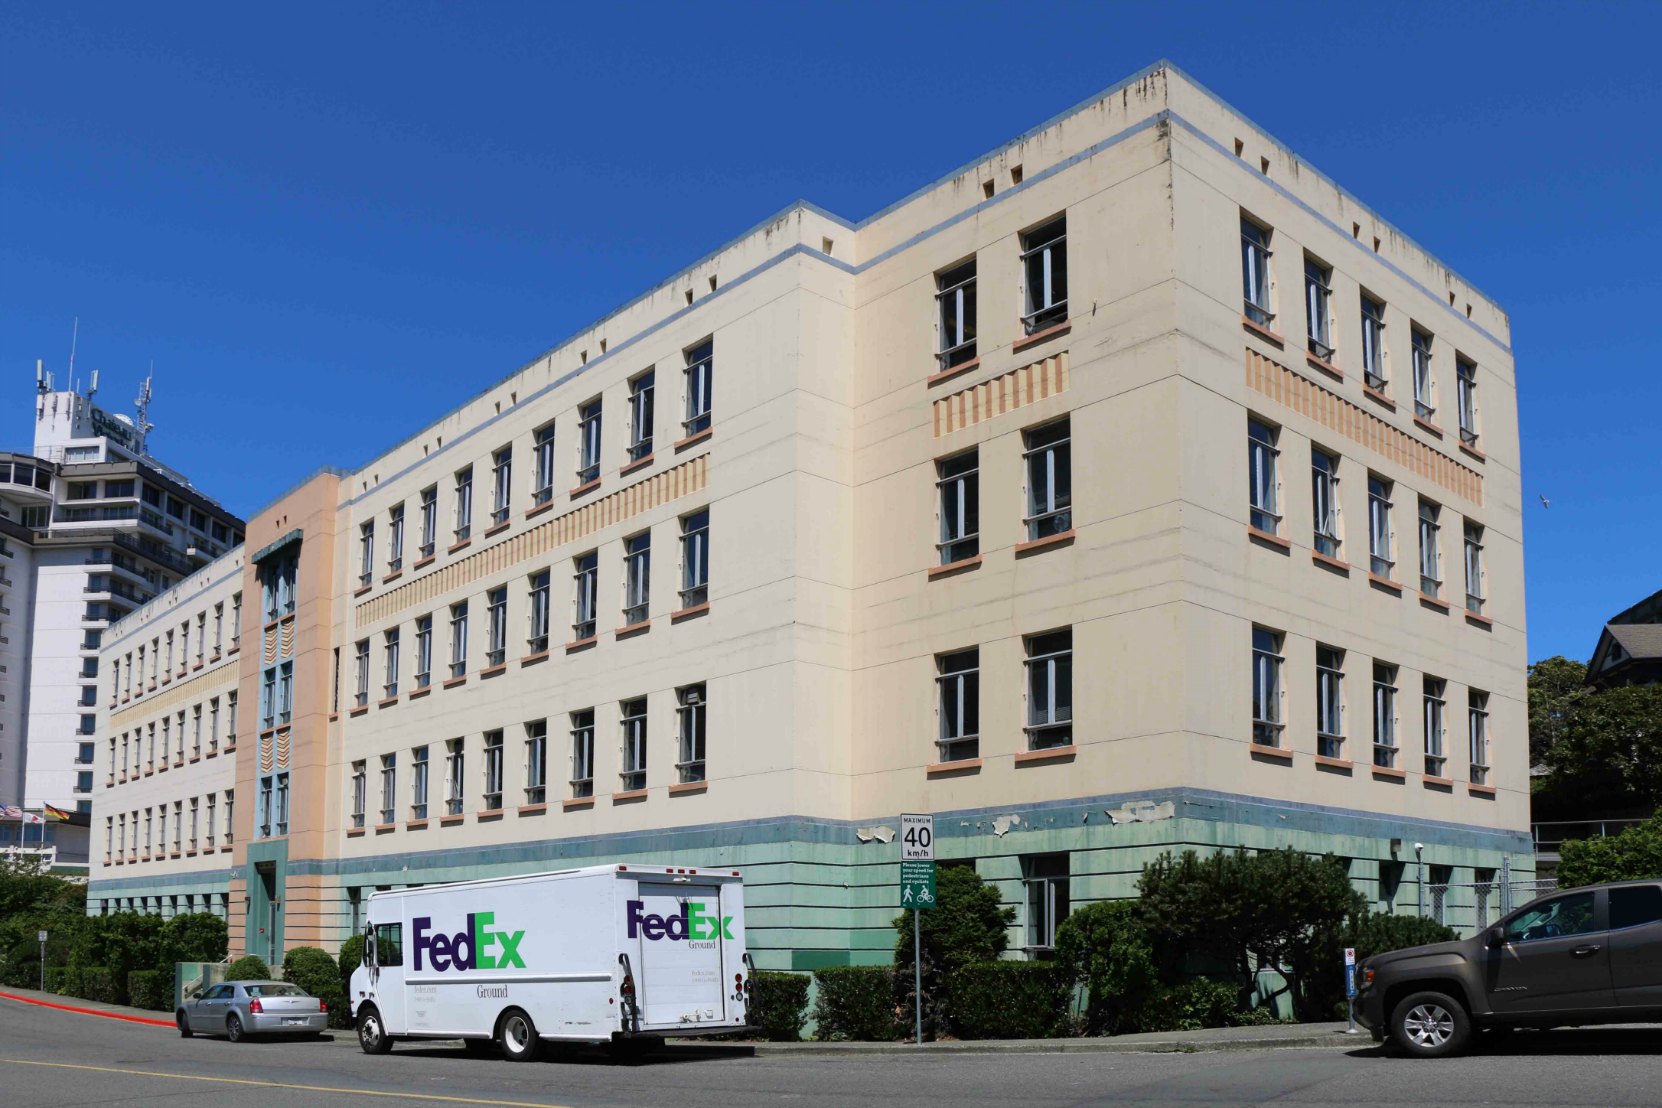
(1133, 487)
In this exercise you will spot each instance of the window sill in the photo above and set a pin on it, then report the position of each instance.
(493, 671)
(1033, 546)
(356, 712)
(1480, 790)
(1473, 452)
(962, 765)
(637, 464)
(236, 646)
(1051, 332)
(497, 529)
(393, 576)
(1434, 602)
(1050, 754)
(167, 679)
(955, 371)
(148, 772)
(1338, 765)
(361, 590)
(1327, 561)
(231, 747)
(693, 439)
(425, 690)
(425, 562)
(577, 803)
(1379, 398)
(633, 629)
(1262, 332)
(226, 849)
(197, 666)
(585, 488)
(538, 509)
(954, 567)
(455, 681)
(1384, 583)
(629, 797)
(1268, 539)
(1324, 366)
(356, 832)
(533, 659)
(531, 809)
(488, 815)
(462, 545)
(194, 758)
(383, 828)
(1479, 620)
(215, 753)
(689, 613)
(581, 644)
(386, 702)
(1442, 784)
(1274, 753)
(689, 788)
(1426, 425)
(414, 824)
(451, 821)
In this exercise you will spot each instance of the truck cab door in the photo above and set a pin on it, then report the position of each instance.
(1555, 957)
(387, 976)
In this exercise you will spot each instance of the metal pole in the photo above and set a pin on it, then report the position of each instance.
(1419, 877)
(917, 973)
(43, 966)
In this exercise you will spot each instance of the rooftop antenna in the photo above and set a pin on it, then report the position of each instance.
(43, 380)
(142, 404)
(74, 335)
(92, 389)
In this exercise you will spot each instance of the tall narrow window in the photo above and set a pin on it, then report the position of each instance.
(1474, 567)
(1255, 272)
(1384, 715)
(1431, 555)
(585, 595)
(588, 442)
(689, 711)
(1049, 689)
(1465, 371)
(458, 640)
(502, 484)
(958, 480)
(537, 641)
(360, 694)
(1330, 702)
(582, 753)
(366, 567)
(389, 687)
(1049, 456)
(955, 295)
(545, 464)
(418, 782)
(1373, 343)
(1324, 501)
(536, 761)
(464, 504)
(454, 782)
(1424, 405)
(695, 559)
(958, 704)
(429, 520)
(210, 825)
(1044, 260)
(285, 693)
(1045, 881)
(1264, 485)
(496, 644)
(424, 652)
(640, 417)
(1381, 540)
(493, 771)
(282, 817)
(1477, 734)
(389, 788)
(1434, 757)
(1318, 280)
(637, 577)
(700, 379)
(395, 538)
(633, 713)
(1266, 687)
(360, 792)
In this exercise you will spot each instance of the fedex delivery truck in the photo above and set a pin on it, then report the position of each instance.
(584, 955)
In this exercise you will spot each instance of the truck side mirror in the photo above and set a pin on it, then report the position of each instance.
(1494, 938)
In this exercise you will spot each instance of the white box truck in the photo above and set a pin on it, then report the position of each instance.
(594, 955)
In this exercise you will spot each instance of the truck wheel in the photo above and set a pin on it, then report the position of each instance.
(1430, 1025)
(518, 1036)
(372, 1033)
(184, 1024)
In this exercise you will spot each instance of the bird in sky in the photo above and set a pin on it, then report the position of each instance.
(1545, 503)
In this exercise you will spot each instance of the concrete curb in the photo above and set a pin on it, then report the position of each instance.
(109, 1015)
(1139, 1045)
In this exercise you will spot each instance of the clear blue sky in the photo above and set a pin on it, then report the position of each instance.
(397, 204)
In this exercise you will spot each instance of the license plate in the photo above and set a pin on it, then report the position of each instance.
(293, 1019)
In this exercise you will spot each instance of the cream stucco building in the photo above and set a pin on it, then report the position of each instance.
(1133, 487)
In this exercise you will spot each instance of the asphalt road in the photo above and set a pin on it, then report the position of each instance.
(64, 1059)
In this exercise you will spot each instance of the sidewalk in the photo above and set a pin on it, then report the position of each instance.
(25, 997)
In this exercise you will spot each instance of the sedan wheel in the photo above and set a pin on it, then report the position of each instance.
(184, 1024)
(1430, 1025)
(233, 1028)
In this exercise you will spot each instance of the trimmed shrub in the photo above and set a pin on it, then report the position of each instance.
(779, 1004)
(1201, 1002)
(1257, 1017)
(54, 979)
(250, 967)
(969, 924)
(1107, 948)
(1010, 1000)
(313, 970)
(194, 937)
(351, 957)
(98, 983)
(152, 989)
(856, 1004)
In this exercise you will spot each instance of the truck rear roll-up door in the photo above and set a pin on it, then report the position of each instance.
(679, 929)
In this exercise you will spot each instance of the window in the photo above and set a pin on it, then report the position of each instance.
(640, 416)
(1324, 501)
(1431, 558)
(1044, 259)
(1330, 702)
(633, 714)
(1381, 559)
(1264, 477)
(230, 813)
(493, 771)
(582, 753)
(537, 641)
(958, 704)
(1049, 689)
(544, 476)
(1424, 405)
(637, 575)
(1318, 292)
(1045, 880)
(1477, 734)
(1634, 906)
(536, 761)
(1474, 567)
(1465, 383)
(502, 484)
(588, 442)
(586, 582)
(453, 768)
(1255, 272)
(213, 724)
(211, 825)
(700, 371)
(1554, 919)
(236, 619)
(230, 720)
(389, 788)
(418, 783)
(690, 703)
(1266, 687)
(389, 687)
(424, 652)
(464, 504)
(955, 296)
(389, 944)
(201, 637)
(395, 538)
(366, 567)
(1434, 757)
(1384, 715)
(695, 559)
(429, 520)
(195, 732)
(282, 817)
(458, 640)
(496, 646)
(1049, 456)
(958, 481)
(361, 696)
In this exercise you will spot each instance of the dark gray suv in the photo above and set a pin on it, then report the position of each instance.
(1576, 956)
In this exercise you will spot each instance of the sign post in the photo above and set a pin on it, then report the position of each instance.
(1350, 991)
(41, 936)
(917, 892)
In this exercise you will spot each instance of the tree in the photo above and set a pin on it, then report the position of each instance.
(1555, 685)
(1610, 750)
(968, 924)
(1633, 855)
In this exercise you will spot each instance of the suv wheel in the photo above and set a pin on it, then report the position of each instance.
(1430, 1025)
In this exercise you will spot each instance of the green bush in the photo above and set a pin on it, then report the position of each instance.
(151, 989)
(779, 1004)
(968, 925)
(250, 967)
(1633, 855)
(99, 983)
(1201, 1002)
(351, 957)
(1260, 1016)
(1107, 948)
(856, 1004)
(313, 970)
(193, 937)
(54, 979)
(1010, 1000)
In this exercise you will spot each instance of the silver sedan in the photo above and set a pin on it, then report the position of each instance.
(237, 1009)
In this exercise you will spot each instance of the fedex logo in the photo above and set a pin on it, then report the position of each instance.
(692, 923)
(470, 948)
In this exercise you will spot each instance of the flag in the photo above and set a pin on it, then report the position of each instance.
(30, 817)
(55, 813)
(10, 811)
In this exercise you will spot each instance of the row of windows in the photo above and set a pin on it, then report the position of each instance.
(1044, 293)
(145, 749)
(157, 659)
(1048, 507)
(697, 375)
(1327, 531)
(200, 823)
(1258, 287)
(1048, 660)
(167, 907)
(1269, 693)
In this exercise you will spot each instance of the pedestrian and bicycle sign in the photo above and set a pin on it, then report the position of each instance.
(917, 885)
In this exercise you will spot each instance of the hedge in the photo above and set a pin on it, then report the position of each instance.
(857, 1003)
(152, 989)
(99, 983)
(351, 957)
(779, 1005)
(1010, 1000)
(250, 967)
(319, 974)
(1192, 1005)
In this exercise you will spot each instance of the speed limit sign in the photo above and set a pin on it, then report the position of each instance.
(917, 838)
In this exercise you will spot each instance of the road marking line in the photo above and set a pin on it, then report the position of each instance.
(284, 1085)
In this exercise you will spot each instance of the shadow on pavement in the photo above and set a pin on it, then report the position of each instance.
(1558, 1041)
(593, 1055)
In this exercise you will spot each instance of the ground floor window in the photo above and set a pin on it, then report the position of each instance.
(1045, 878)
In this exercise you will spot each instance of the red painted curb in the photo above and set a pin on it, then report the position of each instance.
(87, 1011)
